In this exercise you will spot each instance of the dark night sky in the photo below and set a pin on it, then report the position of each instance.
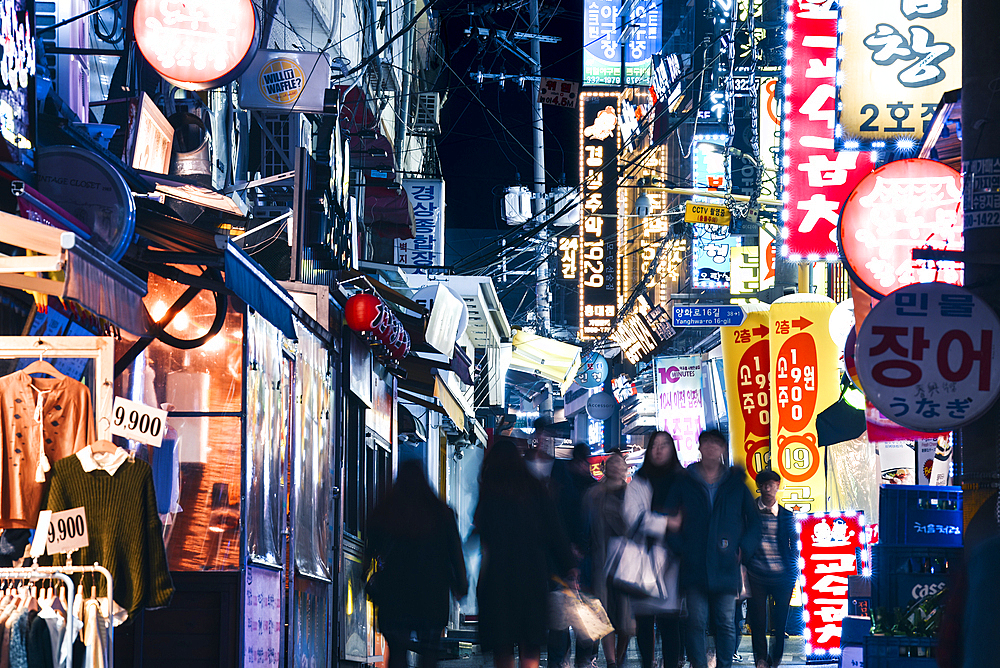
(485, 137)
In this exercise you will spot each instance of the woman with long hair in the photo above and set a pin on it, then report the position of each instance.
(523, 544)
(603, 508)
(645, 512)
(413, 535)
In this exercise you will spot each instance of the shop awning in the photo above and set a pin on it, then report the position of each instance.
(544, 357)
(388, 212)
(253, 285)
(90, 278)
(451, 403)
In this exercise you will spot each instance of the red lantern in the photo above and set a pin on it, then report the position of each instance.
(362, 312)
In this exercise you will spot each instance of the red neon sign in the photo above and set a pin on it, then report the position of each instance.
(196, 44)
(817, 179)
(903, 205)
(828, 557)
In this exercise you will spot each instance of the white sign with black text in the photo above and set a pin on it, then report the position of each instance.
(138, 422)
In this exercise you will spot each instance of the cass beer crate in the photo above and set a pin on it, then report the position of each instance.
(920, 515)
(901, 576)
(900, 652)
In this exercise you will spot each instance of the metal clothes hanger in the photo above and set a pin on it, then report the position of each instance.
(41, 366)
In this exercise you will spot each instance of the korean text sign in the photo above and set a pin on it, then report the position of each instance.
(817, 179)
(602, 55)
(804, 382)
(598, 231)
(901, 206)
(927, 356)
(828, 552)
(898, 58)
(426, 248)
(710, 259)
(680, 407)
(747, 361)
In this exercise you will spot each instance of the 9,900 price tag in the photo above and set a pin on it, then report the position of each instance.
(138, 422)
(65, 531)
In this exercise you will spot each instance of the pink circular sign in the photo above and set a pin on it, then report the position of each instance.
(901, 206)
(196, 44)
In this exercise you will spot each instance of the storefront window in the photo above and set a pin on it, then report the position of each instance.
(197, 469)
(267, 440)
(312, 455)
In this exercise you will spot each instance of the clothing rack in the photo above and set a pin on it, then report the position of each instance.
(62, 573)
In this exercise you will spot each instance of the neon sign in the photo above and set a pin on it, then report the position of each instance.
(197, 44)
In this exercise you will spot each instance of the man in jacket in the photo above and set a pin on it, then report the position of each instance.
(773, 571)
(720, 529)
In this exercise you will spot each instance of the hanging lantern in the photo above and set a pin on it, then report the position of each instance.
(361, 312)
(370, 316)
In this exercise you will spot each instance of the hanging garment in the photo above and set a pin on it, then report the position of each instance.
(56, 627)
(19, 638)
(123, 527)
(39, 644)
(95, 639)
(42, 420)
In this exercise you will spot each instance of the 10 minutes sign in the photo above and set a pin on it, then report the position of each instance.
(926, 356)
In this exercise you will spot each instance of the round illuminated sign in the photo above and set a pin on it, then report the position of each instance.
(903, 205)
(281, 80)
(593, 371)
(601, 406)
(927, 356)
(196, 44)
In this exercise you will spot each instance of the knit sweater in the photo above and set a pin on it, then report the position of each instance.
(123, 528)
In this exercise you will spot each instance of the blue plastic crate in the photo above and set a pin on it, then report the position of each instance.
(920, 515)
(899, 652)
(900, 575)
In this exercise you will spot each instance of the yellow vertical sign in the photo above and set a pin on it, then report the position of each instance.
(804, 382)
(747, 362)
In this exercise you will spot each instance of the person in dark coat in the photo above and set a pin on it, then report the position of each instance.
(523, 544)
(773, 571)
(413, 536)
(720, 530)
(570, 482)
(644, 510)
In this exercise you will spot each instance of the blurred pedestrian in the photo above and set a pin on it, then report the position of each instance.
(645, 512)
(720, 531)
(570, 482)
(523, 544)
(773, 571)
(603, 506)
(413, 536)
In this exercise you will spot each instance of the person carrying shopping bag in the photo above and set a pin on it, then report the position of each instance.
(644, 510)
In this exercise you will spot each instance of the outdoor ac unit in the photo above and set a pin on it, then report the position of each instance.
(427, 116)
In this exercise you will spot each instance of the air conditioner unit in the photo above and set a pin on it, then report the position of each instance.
(427, 116)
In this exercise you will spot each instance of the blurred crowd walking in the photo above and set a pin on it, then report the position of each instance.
(664, 552)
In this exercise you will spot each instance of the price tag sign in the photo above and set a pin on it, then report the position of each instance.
(138, 422)
(66, 531)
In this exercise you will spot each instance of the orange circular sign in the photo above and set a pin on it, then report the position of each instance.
(196, 44)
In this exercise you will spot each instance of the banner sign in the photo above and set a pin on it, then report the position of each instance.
(747, 361)
(901, 206)
(804, 383)
(897, 58)
(828, 554)
(598, 233)
(665, 81)
(817, 179)
(927, 356)
(286, 81)
(426, 248)
(680, 409)
(17, 79)
(558, 92)
(711, 242)
(602, 52)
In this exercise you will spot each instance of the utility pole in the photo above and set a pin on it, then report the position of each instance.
(979, 444)
(543, 310)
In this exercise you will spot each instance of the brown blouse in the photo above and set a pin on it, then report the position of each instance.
(67, 425)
